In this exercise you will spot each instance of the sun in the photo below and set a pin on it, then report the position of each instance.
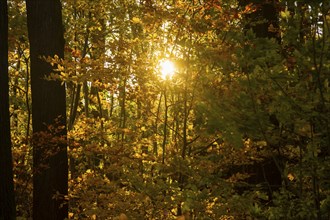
(167, 69)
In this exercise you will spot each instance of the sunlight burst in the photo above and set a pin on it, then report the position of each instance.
(167, 69)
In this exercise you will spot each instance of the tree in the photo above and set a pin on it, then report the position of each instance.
(7, 201)
(264, 22)
(50, 177)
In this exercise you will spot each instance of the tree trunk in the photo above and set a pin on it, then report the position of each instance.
(7, 198)
(50, 162)
(264, 22)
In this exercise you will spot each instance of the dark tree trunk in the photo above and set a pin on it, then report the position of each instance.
(264, 22)
(50, 162)
(7, 201)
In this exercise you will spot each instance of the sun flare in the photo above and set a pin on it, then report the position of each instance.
(167, 69)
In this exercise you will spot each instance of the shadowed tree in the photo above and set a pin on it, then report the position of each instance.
(264, 23)
(264, 20)
(50, 179)
(7, 201)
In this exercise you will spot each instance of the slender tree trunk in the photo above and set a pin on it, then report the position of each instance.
(165, 127)
(111, 104)
(86, 99)
(123, 107)
(50, 161)
(27, 98)
(76, 96)
(15, 91)
(74, 106)
(7, 199)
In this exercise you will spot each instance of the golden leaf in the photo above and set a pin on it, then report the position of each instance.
(136, 20)
(290, 177)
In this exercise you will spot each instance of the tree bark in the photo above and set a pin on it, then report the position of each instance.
(50, 162)
(7, 198)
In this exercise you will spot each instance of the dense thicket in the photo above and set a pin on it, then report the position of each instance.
(240, 131)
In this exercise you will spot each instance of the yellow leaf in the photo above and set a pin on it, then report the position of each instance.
(60, 67)
(136, 20)
(290, 177)
(285, 14)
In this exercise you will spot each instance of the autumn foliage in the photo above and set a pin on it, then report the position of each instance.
(240, 131)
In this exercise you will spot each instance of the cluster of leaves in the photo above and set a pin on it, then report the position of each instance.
(241, 131)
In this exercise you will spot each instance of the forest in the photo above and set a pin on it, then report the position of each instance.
(164, 109)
